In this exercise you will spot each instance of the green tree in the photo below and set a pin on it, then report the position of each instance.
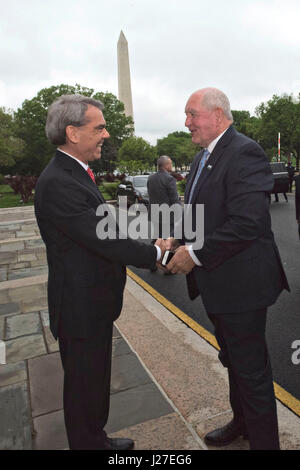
(31, 120)
(280, 114)
(179, 147)
(11, 147)
(138, 149)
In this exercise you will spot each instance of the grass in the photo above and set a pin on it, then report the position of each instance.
(9, 199)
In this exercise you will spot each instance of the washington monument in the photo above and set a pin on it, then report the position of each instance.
(124, 83)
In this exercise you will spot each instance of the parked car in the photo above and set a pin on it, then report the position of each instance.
(135, 188)
(281, 178)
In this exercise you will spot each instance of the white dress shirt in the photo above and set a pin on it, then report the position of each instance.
(85, 166)
(210, 148)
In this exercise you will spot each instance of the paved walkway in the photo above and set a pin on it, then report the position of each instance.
(167, 390)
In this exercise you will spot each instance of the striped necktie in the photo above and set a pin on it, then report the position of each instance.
(90, 172)
(202, 162)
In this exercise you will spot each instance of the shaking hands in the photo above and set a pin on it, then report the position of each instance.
(181, 263)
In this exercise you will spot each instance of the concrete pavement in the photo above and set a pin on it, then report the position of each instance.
(168, 388)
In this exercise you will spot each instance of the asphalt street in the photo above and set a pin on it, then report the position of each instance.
(283, 326)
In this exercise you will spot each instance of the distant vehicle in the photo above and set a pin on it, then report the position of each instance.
(281, 178)
(135, 188)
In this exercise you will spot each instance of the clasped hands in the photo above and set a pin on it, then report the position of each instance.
(181, 263)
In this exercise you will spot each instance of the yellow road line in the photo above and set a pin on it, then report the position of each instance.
(282, 395)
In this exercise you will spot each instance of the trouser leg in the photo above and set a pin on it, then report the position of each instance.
(248, 361)
(87, 372)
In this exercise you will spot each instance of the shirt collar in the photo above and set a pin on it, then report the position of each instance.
(212, 145)
(84, 165)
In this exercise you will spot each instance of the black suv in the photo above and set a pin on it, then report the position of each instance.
(135, 188)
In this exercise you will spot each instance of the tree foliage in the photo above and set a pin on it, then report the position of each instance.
(11, 147)
(179, 147)
(138, 149)
(31, 120)
(280, 114)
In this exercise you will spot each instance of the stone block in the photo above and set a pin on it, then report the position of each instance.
(3, 274)
(136, 405)
(34, 305)
(15, 422)
(24, 324)
(21, 234)
(46, 384)
(8, 257)
(12, 373)
(50, 432)
(27, 272)
(120, 347)
(26, 257)
(11, 308)
(26, 347)
(11, 246)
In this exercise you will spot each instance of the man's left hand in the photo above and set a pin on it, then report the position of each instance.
(182, 262)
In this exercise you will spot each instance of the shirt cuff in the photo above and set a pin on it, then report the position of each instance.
(158, 253)
(193, 256)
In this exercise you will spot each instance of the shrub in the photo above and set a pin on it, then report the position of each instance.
(181, 186)
(22, 185)
(111, 190)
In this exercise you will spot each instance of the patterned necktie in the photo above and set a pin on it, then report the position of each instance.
(202, 162)
(91, 174)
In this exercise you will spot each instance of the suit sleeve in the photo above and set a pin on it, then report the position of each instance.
(248, 184)
(172, 191)
(67, 208)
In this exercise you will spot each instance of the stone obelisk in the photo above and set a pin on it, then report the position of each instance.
(124, 83)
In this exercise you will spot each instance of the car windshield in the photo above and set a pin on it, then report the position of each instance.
(140, 182)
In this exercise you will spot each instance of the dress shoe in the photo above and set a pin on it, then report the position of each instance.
(118, 444)
(227, 434)
(153, 269)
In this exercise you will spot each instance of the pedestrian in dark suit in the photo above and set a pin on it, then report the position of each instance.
(162, 190)
(86, 273)
(238, 271)
(297, 201)
(291, 171)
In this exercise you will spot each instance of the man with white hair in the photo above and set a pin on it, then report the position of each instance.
(237, 271)
(87, 273)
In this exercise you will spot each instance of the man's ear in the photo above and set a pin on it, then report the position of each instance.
(219, 115)
(72, 134)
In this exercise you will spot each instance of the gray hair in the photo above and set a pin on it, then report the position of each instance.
(214, 98)
(67, 110)
(162, 161)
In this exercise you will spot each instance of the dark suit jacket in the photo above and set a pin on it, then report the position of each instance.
(86, 275)
(241, 267)
(162, 188)
(297, 197)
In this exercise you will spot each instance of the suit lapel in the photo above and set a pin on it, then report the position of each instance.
(213, 160)
(79, 173)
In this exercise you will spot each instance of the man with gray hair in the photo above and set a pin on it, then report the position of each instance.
(238, 270)
(162, 190)
(87, 275)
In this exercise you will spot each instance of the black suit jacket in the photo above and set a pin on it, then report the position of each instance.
(86, 275)
(162, 188)
(241, 267)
